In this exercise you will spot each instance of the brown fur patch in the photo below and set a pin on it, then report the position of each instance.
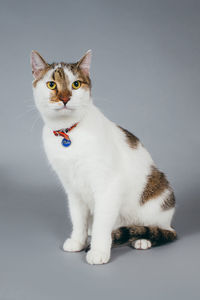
(169, 202)
(156, 235)
(73, 67)
(132, 140)
(137, 230)
(121, 235)
(86, 81)
(156, 184)
(63, 89)
(42, 73)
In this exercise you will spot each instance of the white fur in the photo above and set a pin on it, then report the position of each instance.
(142, 244)
(103, 177)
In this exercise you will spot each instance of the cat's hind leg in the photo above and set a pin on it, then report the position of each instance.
(143, 237)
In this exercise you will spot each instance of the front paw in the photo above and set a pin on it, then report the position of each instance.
(96, 257)
(71, 245)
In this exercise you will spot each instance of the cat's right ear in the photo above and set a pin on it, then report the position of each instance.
(85, 62)
(38, 64)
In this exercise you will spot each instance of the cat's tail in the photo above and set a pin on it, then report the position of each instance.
(157, 236)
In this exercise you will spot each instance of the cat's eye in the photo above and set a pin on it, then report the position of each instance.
(76, 85)
(51, 85)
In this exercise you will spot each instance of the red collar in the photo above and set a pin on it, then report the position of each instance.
(63, 132)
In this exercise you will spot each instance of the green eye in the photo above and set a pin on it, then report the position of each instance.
(51, 85)
(76, 85)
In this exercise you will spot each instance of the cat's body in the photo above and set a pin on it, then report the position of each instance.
(109, 176)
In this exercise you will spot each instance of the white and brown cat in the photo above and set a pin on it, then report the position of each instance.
(114, 189)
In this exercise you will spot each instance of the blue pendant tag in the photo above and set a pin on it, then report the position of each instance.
(66, 143)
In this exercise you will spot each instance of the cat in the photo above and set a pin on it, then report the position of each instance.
(114, 189)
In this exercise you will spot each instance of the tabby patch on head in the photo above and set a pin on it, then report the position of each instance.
(81, 69)
(62, 89)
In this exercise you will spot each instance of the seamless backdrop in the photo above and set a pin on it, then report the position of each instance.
(146, 77)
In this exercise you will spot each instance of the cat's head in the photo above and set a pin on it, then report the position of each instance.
(62, 91)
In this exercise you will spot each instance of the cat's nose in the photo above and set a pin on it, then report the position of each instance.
(64, 99)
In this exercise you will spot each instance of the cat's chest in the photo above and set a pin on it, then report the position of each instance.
(74, 164)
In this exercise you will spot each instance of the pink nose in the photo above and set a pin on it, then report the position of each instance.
(64, 99)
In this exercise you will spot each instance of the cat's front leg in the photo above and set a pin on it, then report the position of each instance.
(79, 216)
(105, 215)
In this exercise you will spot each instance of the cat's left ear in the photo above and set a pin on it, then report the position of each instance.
(85, 62)
(38, 64)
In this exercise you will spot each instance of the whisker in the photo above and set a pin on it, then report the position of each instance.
(35, 122)
(100, 99)
(29, 100)
(30, 109)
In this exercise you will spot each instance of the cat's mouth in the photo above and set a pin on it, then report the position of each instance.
(59, 107)
(64, 108)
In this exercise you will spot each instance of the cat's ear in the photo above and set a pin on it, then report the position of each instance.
(38, 64)
(85, 62)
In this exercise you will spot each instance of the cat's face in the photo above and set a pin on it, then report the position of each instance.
(61, 91)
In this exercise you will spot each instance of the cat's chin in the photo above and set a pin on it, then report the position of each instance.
(60, 119)
(63, 111)
(63, 118)
(59, 108)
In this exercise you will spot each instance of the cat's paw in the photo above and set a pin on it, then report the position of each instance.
(71, 245)
(141, 244)
(95, 257)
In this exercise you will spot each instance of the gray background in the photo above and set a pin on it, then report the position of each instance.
(146, 77)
